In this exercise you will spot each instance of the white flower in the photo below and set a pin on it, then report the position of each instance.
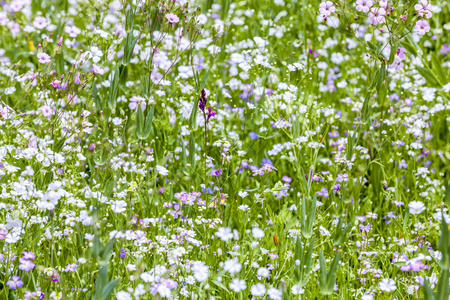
(232, 265)
(446, 87)
(274, 293)
(243, 194)
(258, 289)
(10, 90)
(238, 285)
(224, 233)
(257, 233)
(416, 207)
(387, 285)
(117, 121)
(122, 295)
(119, 206)
(96, 54)
(161, 170)
(297, 290)
(264, 272)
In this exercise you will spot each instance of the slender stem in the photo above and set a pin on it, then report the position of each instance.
(206, 138)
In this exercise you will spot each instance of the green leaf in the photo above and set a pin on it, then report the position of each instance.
(97, 98)
(349, 146)
(376, 178)
(393, 53)
(100, 157)
(106, 251)
(108, 289)
(429, 76)
(192, 152)
(148, 122)
(322, 273)
(219, 284)
(447, 195)
(437, 66)
(130, 19)
(140, 122)
(113, 89)
(410, 48)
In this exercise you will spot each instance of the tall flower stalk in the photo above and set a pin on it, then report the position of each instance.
(207, 114)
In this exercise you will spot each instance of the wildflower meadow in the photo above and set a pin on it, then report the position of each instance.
(221, 149)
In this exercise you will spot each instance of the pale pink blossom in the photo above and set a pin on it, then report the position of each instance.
(40, 22)
(172, 18)
(97, 70)
(422, 27)
(327, 8)
(135, 101)
(401, 53)
(376, 16)
(424, 9)
(46, 111)
(364, 5)
(43, 58)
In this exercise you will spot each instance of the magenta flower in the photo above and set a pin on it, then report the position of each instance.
(55, 83)
(14, 282)
(43, 58)
(172, 18)
(422, 27)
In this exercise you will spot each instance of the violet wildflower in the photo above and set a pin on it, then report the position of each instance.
(14, 282)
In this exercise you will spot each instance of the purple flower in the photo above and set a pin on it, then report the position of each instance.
(14, 282)
(366, 228)
(336, 188)
(323, 192)
(287, 179)
(122, 253)
(266, 161)
(26, 265)
(402, 164)
(202, 101)
(253, 135)
(211, 113)
(70, 268)
(216, 173)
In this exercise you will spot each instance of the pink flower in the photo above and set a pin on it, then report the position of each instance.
(327, 8)
(46, 111)
(397, 64)
(43, 58)
(424, 9)
(97, 70)
(55, 83)
(364, 5)
(135, 101)
(173, 18)
(40, 22)
(376, 16)
(401, 53)
(3, 233)
(422, 27)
